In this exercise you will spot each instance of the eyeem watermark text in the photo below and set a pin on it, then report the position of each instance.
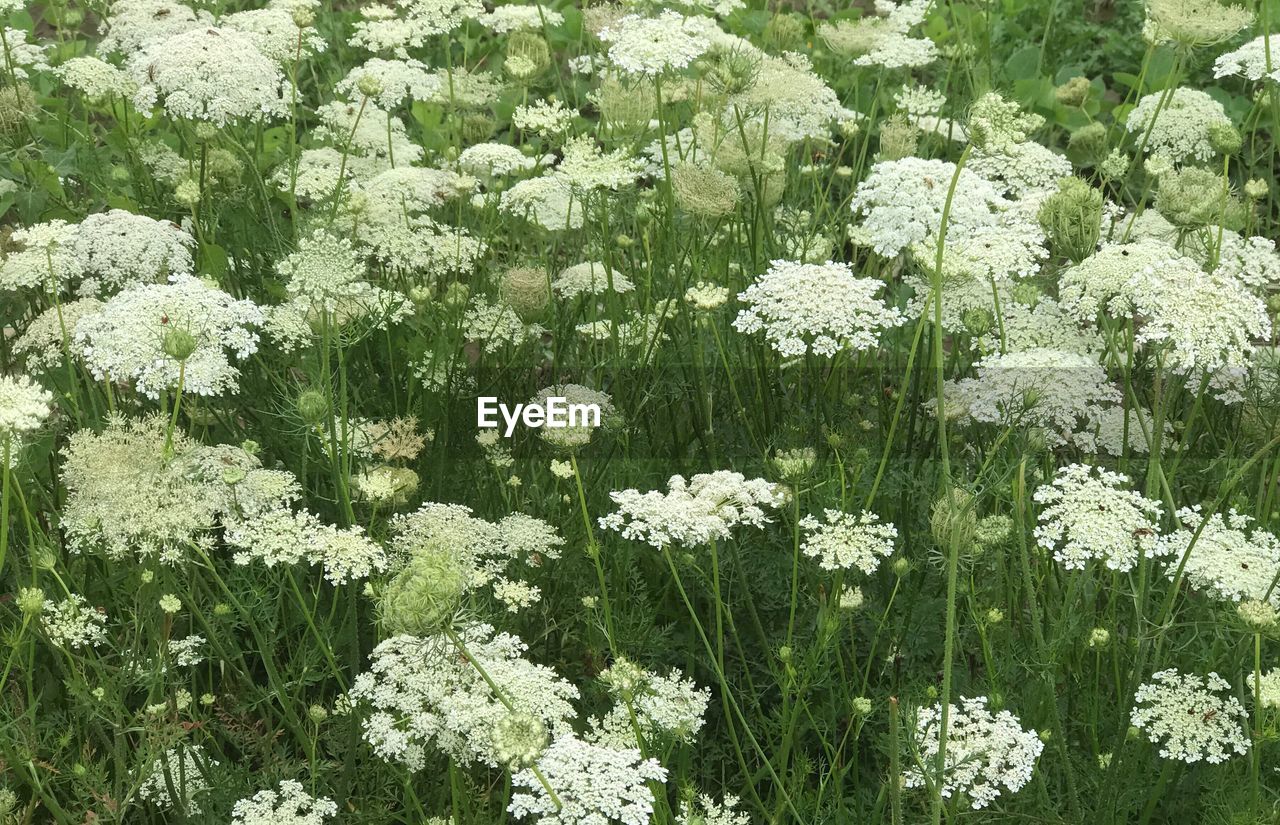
(556, 413)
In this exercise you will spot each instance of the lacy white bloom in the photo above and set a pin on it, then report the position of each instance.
(96, 79)
(47, 340)
(1250, 60)
(662, 707)
(186, 652)
(1192, 718)
(596, 785)
(1102, 280)
(1181, 130)
(987, 754)
(822, 307)
(396, 81)
(211, 74)
(1267, 688)
(1088, 516)
(127, 338)
(425, 692)
(496, 326)
(543, 118)
(133, 24)
(844, 541)
(901, 202)
(1054, 390)
(653, 45)
(291, 805)
(1106, 432)
(579, 433)
(494, 160)
(590, 278)
(24, 406)
(1251, 261)
(547, 201)
(185, 768)
(514, 17)
(118, 249)
(1206, 323)
(694, 512)
(73, 623)
(1232, 559)
(706, 811)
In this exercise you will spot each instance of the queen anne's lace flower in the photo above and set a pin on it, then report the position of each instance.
(822, 307)
(987, 754)
(1250, 60)
(694, 512)
(24, 407)
(590, 278)
(516, 17)
(1190, 718)
(291, 805)
(97, 79)
(1087, 516)
(127, 338)
(844, 541)
(1181, 130)
(424, 691)
(1102, 280)
(117, 249)
(72, 623)
(1050, 389)
(211, 74)
(661, 707)
(596, 785)
(901, 202)
(133, 24)
(188, 770)
(653, 45)
(396, 81)
(1231, 559)
(494, 160)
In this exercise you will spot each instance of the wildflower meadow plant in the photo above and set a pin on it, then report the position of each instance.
(639, 412)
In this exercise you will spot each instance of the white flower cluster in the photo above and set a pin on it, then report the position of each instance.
(72, 623)
(901, 202)
(395, 80)
(1232, 559)
(1251, 60)
(1058, 392)
(596, 785)
(486, 552)
(187, 770)
(658, 708)
(185, 652)
(843, 541)
(104, 253)
(24, 407)
(426, 691)
(1089, 517)
(290, 805)
(210, 74)
(694, 512)
(987, 754)
(822, 307)
(1192, 718)
(127, 338)
(590, 278)
(1181, 130)
(651, 46)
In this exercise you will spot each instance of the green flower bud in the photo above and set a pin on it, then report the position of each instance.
(952, 518)
(1087, 145)
(519, 739)
(1074, 92)
(704, 191)
(1192, 197)
(179, 343)
(30, 601)
(1224, 138)
(527, 290)
(1072, 219)
(423, 596)
(313, 406)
